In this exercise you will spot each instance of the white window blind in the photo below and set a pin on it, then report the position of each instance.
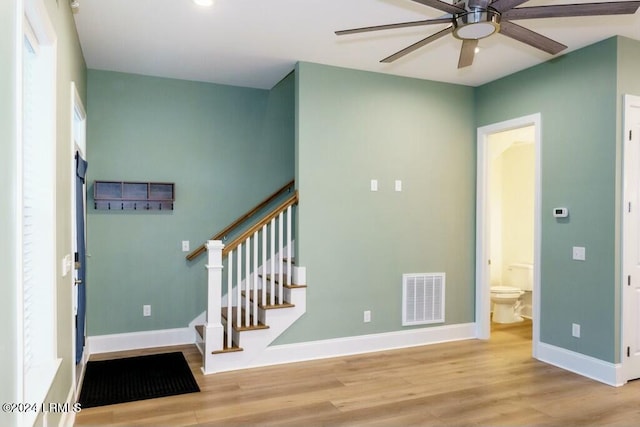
(38, 255)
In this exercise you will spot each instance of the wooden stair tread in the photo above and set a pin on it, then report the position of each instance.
(277, 280)
(243, 326)
(200, 330)
(228, 350)
(270, 306)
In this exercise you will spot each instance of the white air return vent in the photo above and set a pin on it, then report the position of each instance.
(422, 298)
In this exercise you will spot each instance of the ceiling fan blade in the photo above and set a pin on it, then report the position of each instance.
(467, 52)
(440, 5)
(531, 38)
(566, 10)
(504, 5)
(423, 42)
(393, 26)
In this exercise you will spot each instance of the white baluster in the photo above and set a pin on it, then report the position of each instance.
(280, 257)
(264, 264)
(247, 282)
(255, 279)
(230, 299)
(289, 240)
(239, 288)
(272, 273)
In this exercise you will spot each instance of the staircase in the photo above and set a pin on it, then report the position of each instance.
(254, 293)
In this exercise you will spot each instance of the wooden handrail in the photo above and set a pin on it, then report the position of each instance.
(202, 248)
(274, 213)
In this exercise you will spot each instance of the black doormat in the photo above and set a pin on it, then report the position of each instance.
(107, 382)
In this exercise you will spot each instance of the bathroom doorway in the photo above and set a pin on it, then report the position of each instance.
(508, 216)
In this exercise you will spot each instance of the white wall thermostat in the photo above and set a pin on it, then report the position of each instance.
(560, 212)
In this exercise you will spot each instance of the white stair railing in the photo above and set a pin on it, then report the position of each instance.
(269, 241)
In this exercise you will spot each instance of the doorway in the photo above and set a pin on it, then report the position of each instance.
(515, 137)
(630, 239)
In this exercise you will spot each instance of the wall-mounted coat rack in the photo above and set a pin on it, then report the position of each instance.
(126, 195)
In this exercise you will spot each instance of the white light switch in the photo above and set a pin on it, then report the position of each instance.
(66, 265)
(185, 246)
(374, 185)
(398, 186)
(579, 253)
(575, 330)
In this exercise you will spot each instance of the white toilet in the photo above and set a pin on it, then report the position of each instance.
(506, 299)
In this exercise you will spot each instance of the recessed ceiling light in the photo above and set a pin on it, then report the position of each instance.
(203, 2)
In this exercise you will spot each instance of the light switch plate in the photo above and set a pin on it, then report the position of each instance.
(66, 265)
(579, 253)
(398, 185)
(575, 330)
(374, 185)
(185, 246)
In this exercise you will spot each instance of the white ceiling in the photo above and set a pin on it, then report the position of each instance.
(255, 43)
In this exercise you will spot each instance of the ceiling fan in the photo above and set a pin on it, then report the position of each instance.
(472, 20)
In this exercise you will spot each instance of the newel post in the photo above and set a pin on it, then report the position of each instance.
(214, 331)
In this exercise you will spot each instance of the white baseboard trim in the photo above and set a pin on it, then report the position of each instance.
(289, 353)
(587, 366)
(137, 340)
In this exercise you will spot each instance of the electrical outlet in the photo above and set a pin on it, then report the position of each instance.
(575, 330)
(374, 185)
(185, 246)
(398, 185)
(146, 310)
(367, 316)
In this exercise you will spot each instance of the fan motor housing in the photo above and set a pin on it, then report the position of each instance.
(476, 24)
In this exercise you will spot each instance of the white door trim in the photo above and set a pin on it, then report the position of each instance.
(78, 144)
(628, 316)
(483, 301)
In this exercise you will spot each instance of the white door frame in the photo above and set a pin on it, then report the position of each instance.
(628, 315)
(483, 297)
(78, 144)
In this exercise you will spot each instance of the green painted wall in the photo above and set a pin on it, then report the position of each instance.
(9, 367)
(576, 96)
(355, 126)
(226, 148)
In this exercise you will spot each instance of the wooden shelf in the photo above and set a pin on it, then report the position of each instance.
(127, 195)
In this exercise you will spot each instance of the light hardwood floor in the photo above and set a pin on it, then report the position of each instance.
(485, 383)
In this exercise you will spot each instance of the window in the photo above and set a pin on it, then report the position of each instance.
(38, 185)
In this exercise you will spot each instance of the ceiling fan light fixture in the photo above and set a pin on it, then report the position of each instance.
(476, 25)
